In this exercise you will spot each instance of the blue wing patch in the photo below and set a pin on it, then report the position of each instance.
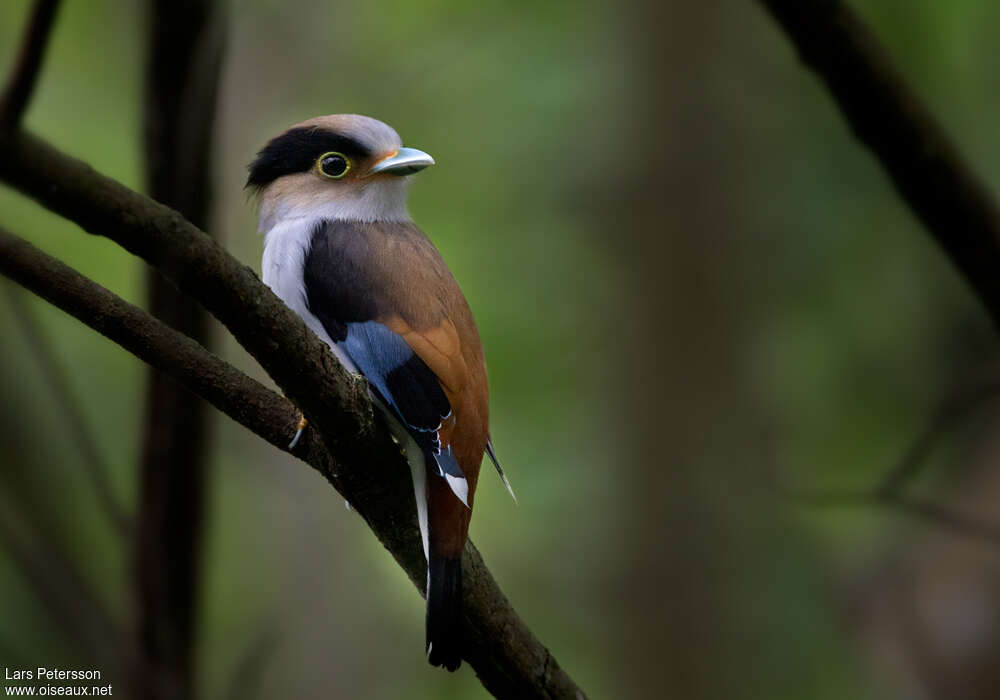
(402, 380)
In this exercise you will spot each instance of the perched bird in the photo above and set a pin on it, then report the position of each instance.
(342, 252)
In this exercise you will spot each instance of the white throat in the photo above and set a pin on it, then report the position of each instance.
(286, 247)
(380, 199)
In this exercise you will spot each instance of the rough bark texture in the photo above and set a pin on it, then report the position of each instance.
(185, 50)
(242, 398)
(889, 118)
(371, 473)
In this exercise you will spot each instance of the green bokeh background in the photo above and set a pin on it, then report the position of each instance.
(851, 322)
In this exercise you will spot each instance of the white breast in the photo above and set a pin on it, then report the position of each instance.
(285, 248)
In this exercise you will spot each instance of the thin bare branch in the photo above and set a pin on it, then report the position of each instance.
(967, 397)
(947, 518)
(245, 400)
(74, 414)
(936, 514)
(888, 117)
(963, 400)
(937, 184)
(961, 403)
(239, 396)
(21, 83)
(370, 472)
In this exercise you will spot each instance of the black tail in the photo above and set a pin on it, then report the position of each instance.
(444, 612)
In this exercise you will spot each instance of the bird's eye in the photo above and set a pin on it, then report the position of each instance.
(333, 165)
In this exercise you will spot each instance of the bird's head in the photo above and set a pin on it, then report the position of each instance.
(341, 166)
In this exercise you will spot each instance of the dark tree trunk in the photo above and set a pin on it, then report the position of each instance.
(688, 450)
(185, 50)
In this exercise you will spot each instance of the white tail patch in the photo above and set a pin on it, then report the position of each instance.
(418, 471)
(460, 487)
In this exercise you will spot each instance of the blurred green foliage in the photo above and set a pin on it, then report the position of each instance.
(855, 323)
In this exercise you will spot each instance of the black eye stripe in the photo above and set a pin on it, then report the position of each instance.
(296, 151)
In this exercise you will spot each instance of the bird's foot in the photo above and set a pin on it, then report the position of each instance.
(298, 432)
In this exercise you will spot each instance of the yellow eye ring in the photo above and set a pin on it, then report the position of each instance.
(333, 165)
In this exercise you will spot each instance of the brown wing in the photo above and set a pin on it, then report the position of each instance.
(440, 348)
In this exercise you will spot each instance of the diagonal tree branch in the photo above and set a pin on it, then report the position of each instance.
(889, 118)
(509, 660)
(937, 514)
(945, 517)
(963, 400)
(932, 178)
(239, 396)
(967, 397)
(17, 92)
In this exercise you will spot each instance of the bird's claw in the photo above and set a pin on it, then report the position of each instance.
(298, 432)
